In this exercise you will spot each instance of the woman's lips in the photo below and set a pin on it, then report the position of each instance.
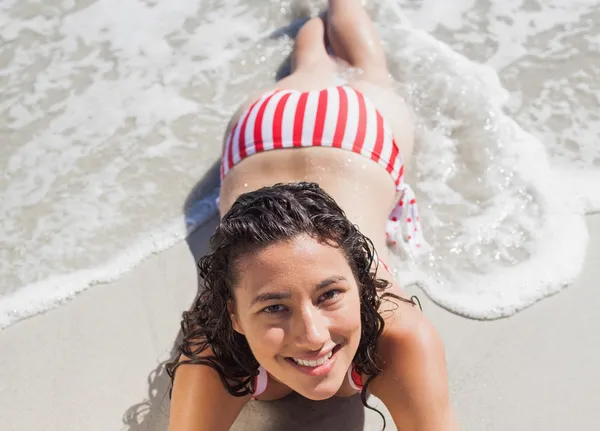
(319, 370)
(314, 357)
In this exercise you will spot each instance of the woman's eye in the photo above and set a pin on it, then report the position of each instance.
(273, 309)
(328, 296)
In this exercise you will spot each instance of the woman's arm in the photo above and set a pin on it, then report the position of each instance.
(200, 402)
(414, 382)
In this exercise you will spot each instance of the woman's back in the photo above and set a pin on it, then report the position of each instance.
(364, 190)
(359, 186)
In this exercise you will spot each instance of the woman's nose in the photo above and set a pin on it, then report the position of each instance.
(311, 329)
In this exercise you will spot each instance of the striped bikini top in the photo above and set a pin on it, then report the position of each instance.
(261, 381)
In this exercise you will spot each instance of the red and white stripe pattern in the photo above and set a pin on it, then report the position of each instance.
(355, 379)
(338, 117)
(261, 380)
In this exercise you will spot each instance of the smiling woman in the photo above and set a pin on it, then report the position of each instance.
(296, 297)
(295, 277)
(292, 302)
(317, 312)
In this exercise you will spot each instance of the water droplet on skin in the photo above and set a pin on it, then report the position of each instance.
(245, 184)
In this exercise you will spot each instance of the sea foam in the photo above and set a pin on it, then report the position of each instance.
(114, 111)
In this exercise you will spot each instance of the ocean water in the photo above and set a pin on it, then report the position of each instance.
(112, 111)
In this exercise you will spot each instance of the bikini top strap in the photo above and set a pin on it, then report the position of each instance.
(262, 379)
(260, 382)
(383, 264)
(355, 379)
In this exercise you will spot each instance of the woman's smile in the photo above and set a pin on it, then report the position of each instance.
(321, 366)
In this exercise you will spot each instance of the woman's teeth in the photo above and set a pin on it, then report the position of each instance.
(316, 363)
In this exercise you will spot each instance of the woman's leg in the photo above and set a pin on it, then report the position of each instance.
(354, 39)
(312, 67)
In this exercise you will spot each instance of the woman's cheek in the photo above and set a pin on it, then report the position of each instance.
(348, 323)
(348, 316)
(267, 340)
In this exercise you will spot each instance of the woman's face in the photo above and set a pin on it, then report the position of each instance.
(297, 303)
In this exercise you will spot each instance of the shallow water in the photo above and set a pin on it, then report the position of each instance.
(112, 111)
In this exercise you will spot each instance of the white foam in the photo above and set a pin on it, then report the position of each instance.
(545, 53)
(495, 209)
(116, 110)
(40, 296)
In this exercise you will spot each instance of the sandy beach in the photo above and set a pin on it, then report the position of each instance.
(113, 111)
(96, 363)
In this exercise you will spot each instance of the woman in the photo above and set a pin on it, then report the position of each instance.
(296, 298)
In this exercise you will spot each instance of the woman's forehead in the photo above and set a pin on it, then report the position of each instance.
(301, 258)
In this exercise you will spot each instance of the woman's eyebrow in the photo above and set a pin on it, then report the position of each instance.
(270, 296)
(277, 296)
(329, 281)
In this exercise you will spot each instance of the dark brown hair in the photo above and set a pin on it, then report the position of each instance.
(255, 221)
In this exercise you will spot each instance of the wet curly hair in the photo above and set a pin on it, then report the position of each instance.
(256, 220)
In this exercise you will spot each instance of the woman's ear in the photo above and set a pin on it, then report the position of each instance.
(235, 322)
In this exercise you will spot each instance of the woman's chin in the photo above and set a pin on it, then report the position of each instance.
(323, 390)
(320, 394)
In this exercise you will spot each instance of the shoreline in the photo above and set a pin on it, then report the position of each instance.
(101, 357)
(58, 290)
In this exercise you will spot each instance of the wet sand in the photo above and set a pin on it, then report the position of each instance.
(96, 363)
